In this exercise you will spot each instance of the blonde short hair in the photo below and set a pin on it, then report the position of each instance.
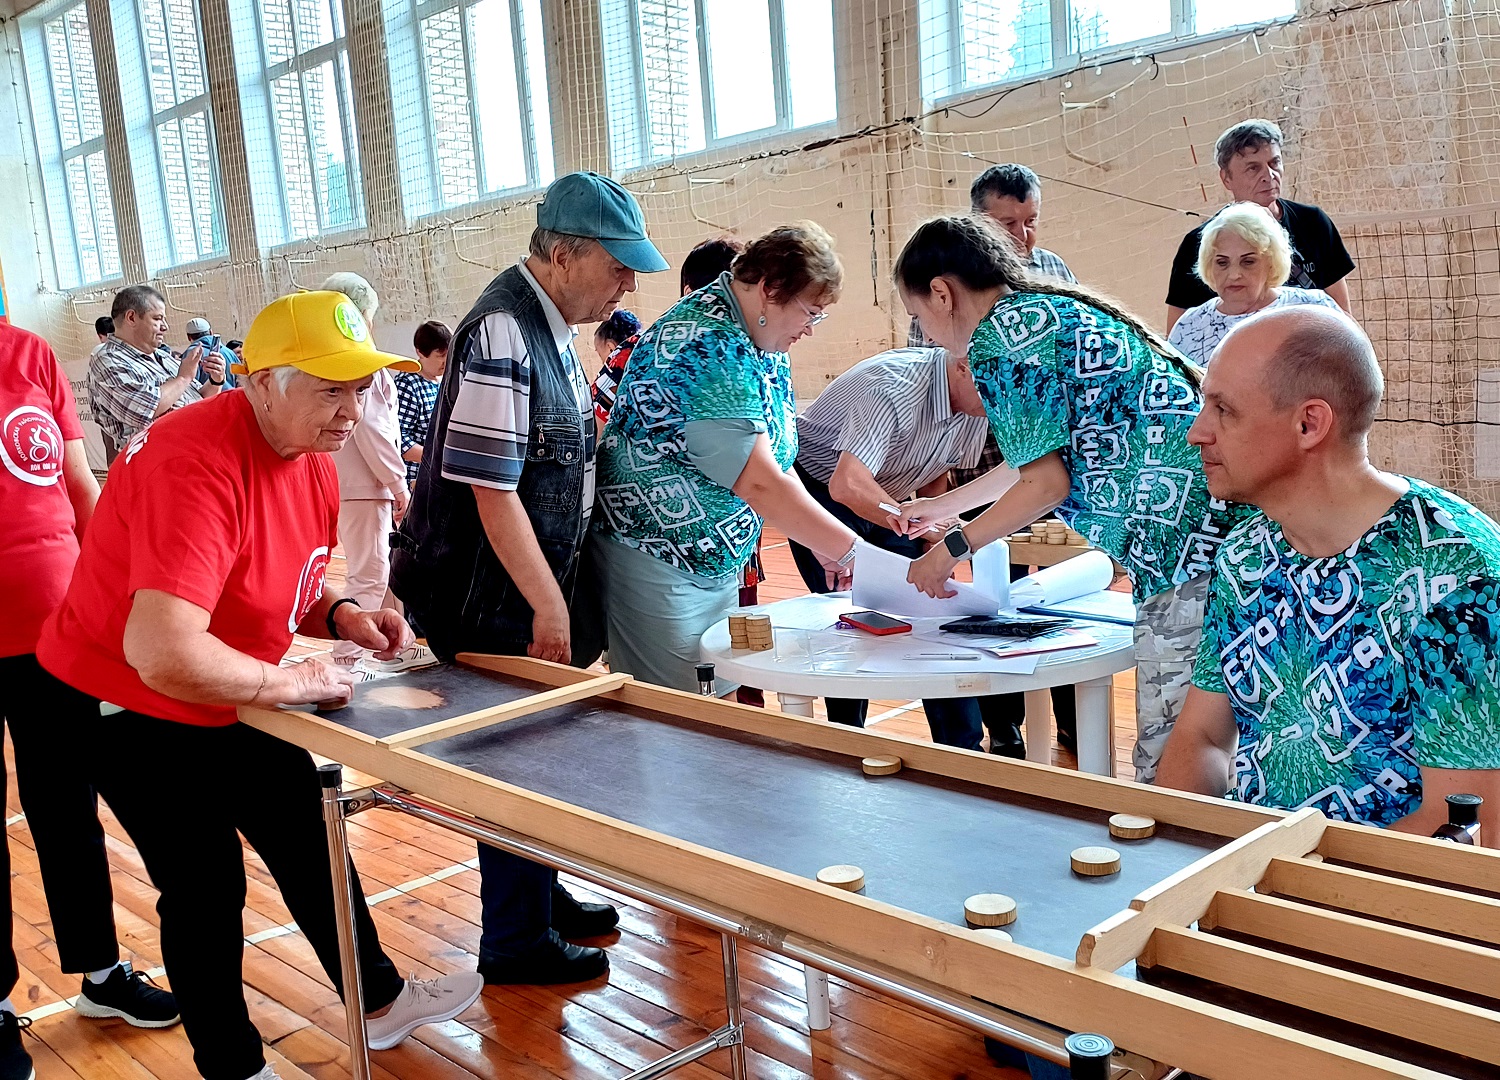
(1253, 224)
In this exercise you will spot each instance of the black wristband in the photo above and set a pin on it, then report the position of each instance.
(333, 630)
(216, 382)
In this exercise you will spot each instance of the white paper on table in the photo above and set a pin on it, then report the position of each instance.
(988, 663)
(1090, 572)
(880, 585)
(1103, 606)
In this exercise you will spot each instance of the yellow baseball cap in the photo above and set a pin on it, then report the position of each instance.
(321, 333)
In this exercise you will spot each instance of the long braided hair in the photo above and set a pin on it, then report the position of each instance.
(975, 254)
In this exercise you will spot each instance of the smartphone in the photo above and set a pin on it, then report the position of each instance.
(872, 622)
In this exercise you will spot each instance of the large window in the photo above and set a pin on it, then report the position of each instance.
(306, 84)
(478, 122)
(70, 141)
(183, 133)
(686, 75)
(974, 43)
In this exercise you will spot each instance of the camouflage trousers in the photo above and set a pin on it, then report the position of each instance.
(1167, 628)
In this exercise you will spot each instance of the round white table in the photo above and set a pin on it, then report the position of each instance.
(811, 661)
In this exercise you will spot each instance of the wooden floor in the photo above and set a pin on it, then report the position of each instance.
(665, 986)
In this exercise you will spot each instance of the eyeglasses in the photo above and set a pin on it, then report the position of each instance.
(813, 317)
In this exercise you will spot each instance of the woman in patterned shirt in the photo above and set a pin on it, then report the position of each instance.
(699, 449)
(1093, 408)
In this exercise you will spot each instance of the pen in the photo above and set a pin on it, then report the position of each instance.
(941, 656)
(889, 509)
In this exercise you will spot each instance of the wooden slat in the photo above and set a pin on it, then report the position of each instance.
(1418, 955)
(1183, 898)
(1447, 911)
(511, 710)
(1415, 856)
(1424, 1018)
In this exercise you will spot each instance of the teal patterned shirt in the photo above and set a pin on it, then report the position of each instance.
(695, 363)
(1346, 674)
(1057, 374)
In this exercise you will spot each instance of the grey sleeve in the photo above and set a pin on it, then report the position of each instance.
(720, 449)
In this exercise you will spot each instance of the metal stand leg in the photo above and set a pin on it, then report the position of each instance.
(1096, 728)
(736, 1025)
(1038, 726)
(818, 1016)
(332, 778)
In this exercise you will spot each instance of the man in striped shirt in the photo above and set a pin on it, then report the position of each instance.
(888, 428)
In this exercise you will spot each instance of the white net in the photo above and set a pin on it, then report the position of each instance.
(417, 109)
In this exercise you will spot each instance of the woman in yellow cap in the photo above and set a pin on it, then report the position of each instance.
(206, 554)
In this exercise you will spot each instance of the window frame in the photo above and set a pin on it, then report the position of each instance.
(58, 198)
(943, 83)
(177, 113)
(433, 201)
(336, 50)
(638, 107)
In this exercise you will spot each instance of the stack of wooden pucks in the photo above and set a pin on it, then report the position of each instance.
(1057, 532)
(757, 633)
(1038, 532)
(1019, 538)
(1076, 538)
(739, 632)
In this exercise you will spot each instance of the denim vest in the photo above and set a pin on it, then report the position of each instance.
(442, 565)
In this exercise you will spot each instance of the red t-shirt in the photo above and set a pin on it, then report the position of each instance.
(37, 544)
(197, 505)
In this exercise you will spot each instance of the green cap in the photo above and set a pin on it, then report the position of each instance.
(587, 204)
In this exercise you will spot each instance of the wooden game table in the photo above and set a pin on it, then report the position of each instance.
(1236, 943)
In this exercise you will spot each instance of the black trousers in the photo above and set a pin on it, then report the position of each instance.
(185, 795)
(62, 812)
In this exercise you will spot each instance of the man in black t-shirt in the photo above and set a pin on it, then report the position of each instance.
(1249, 160)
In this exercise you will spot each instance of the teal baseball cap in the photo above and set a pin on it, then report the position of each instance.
(587, 204)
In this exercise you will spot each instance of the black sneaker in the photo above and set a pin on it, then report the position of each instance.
(15, 1062)
(131, 996)
(551, 962)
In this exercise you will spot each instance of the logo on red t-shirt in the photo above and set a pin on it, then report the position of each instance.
(32, 446)
(309, 587)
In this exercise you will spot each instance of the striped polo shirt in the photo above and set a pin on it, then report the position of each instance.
(892, 413)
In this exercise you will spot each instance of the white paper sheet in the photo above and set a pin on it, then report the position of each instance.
(1087, 573)
(880, 585)
(1105, 606)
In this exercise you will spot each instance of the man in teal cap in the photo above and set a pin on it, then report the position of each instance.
(490, 557)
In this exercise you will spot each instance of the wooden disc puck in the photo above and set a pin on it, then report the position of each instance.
(1131, 826)
(843, 876)
(992, 932)
(1096, 861)
(990, 909)
(880, 766)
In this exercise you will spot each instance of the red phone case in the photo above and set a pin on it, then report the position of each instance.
(852, 618)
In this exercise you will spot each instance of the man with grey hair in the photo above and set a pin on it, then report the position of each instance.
(490, 557)
(134, 378)
(1350, 657)
(1250, 168)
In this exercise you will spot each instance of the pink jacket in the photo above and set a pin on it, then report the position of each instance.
(370, 465)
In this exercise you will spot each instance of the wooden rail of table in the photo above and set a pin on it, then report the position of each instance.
(1185, 896)
(511, 710)
(1415, 954)
(1198, 1036)
(1427, 1019)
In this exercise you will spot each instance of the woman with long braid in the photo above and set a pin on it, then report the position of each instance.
(1093, 408)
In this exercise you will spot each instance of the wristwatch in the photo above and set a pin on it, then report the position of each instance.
(957, 543)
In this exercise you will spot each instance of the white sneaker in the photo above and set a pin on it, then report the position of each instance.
(413, 656)
(423, 1001)
(268, 1073)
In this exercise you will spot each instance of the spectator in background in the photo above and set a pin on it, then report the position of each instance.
(201, 336)
(372, 485)
(237, 347)
(1244, 257)
(614, 332)
(103, 327)
(1250, 166)
(417, 391)
(134, 378)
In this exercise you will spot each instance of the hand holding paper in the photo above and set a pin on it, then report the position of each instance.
(880, 584)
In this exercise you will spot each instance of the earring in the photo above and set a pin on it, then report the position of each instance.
(762, 320)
